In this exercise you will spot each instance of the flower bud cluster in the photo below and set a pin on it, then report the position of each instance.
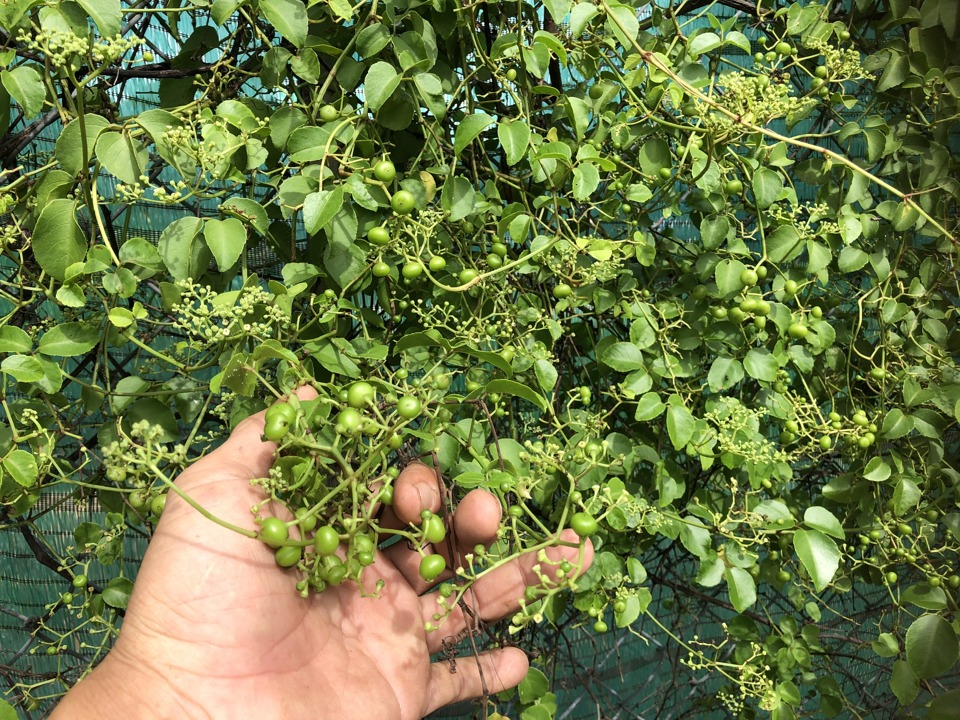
(62, 47)
(209, 319)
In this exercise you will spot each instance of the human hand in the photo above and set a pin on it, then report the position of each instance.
(215, 629)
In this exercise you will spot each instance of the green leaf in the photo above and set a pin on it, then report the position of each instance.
(289, 17)
(14, 340)
(226, 240)
(819, 257)
(343, 260)
(458, 198)
(714, 230)
(58, 241)
(586, 178)
(546, 375)
(581, 14)
(182, 250)
(335, 360)
(895, 72)
(931, 646)
(372, 39)
(22, 368)
(622, 20)
(906, 496)
(654, 155)
(533, 686)
(558, 9)
(535, 712)
(69, 147)
(760, 364)
(775, 512)
(767, 186)
(26, 87)
(680, 425)
(819, 518)
(852, 259)
(381, 80)
(221, 10)
(737, 38)
(249, 211)
(106, 14)
(120, 156)
(819, 556)
(904, 682)
(925, 596)
(69, 339)
(784, 244)
(580, 114)
(886, 645)
(876, 470)
(623, 357)
(631, 612)
(511, 387)
(306, 66)
(343, 9)
(703, 43)
(896, 425)
(695, 537)
(710, 572)
(725, 372)
(727, 274)
(7, 711)
(468, 130)
(649, 407)
(117, 592)
(156, 413)
(741, 588)
(22, 466)
(319, 208)
(944, 706)
(552, 43)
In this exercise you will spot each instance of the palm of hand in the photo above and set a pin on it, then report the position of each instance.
(215, 629)
(231, 622)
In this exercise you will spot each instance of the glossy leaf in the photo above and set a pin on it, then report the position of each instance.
(26, 87)
(931, 645)
(289, 17)
(58, 241)
(819, 555)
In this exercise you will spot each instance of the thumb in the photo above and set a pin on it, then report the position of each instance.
(488, 673)
(245, 452)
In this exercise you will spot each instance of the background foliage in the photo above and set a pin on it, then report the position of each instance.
(696, 277)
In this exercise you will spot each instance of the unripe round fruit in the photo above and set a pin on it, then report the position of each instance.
(412, 270)
(402, 202)
(378, 235)
(384, 171)
(329, 113)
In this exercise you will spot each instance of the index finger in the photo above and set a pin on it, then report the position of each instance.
(498, 593)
